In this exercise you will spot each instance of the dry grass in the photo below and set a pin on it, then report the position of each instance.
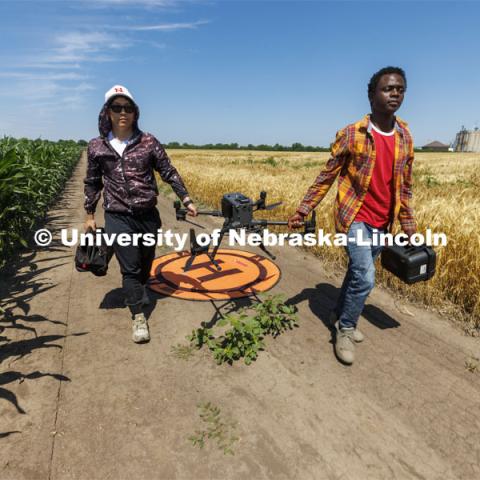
(446, 194)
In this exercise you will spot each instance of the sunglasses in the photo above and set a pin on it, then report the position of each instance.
(118, 108)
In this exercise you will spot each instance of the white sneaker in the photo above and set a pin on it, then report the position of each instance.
(140, 332)
(358, 336)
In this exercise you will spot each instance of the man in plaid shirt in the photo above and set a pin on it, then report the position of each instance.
(373, 161)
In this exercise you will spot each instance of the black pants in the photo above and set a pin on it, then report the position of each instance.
(135, 261)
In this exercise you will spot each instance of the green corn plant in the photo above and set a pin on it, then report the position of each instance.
(32, 175)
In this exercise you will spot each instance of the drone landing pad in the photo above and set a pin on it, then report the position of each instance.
(242, 274)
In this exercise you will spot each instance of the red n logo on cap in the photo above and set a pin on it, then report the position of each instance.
(119, 90)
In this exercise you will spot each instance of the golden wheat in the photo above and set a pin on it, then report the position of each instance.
(446, 199)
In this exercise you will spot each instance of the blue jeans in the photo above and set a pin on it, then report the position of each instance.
(360, 277)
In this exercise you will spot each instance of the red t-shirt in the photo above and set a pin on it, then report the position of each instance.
(378, 203)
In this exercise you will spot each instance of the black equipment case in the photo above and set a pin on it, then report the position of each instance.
(410, 264)
(93, 258)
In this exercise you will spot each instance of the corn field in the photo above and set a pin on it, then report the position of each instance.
(446, 199)
(32, 174)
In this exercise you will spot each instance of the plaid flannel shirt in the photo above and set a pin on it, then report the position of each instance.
(353, 159)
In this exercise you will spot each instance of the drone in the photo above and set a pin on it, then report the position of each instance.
(237, 210)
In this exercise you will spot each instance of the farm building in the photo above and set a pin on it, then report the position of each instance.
(436, 147)
(467, 140)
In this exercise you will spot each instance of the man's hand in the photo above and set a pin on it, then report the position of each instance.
(90, 223)
(296, 221)
(409, 232)
(192, 210)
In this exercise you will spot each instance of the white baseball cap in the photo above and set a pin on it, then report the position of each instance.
(118, 90)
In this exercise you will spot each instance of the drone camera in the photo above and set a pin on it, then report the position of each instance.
(238, 208)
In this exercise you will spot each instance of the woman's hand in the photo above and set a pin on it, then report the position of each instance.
(192, 210)
(190, 206)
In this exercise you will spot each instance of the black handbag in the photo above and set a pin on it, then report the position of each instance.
(93, 258)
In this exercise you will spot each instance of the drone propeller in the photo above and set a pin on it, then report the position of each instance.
(272, 206)
(260, 203)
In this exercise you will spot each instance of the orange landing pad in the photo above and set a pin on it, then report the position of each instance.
(242, 274)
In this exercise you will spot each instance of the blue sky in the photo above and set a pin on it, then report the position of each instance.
(235, 71)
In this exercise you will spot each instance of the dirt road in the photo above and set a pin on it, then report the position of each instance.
(80, 400)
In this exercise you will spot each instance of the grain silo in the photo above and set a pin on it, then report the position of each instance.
(467, 140)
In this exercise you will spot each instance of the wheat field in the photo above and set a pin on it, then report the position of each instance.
(446, 199)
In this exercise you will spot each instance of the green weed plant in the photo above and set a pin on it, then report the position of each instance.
(217, 429)
(244, 331)
(183, 352)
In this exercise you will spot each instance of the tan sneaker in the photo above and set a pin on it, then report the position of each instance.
(358, 336)
(140, 329)
(345, 344)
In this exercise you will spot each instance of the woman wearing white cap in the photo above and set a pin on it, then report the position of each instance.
(122, 161)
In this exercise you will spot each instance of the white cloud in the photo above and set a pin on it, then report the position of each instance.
(146, 3)
(158, 45)
(44, 89)
(52, 79)
(52, 90)
(88, 42)
(79, 47)
(167, 27)
(43, 76)
(28, 63)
